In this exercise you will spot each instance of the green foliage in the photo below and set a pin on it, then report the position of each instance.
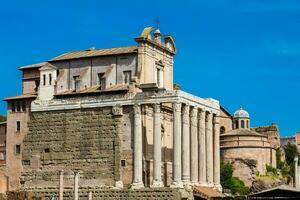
(279, 162)
(2, 118)
(271, 170)
(226, 171)
(290, 153)
(285, 170)
(236, 186)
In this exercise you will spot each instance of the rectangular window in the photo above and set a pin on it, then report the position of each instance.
(18, 106)
(44, 79)
(18, 126)
(76, 82)
(127, 77)
(13, 106)
(37, 84)
(101, 80)
(50, 79)
(160, 77)
(24, 106)
(18, 149)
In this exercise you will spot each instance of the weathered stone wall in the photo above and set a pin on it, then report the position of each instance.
(247, 161)
(272, 132)
(85, 140)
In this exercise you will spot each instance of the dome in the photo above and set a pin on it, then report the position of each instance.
(241, 113)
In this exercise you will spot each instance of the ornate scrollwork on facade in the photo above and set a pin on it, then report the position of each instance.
(117, 110)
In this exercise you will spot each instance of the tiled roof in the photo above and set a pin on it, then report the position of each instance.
(95, 52)
(23, 96)
(37, 65)
(242, 132)
(206, 192)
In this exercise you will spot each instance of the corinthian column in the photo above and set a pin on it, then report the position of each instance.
(177, 145)
(217, 153)
(137, 150)
(202, 148)
(157, 147)
(209, 150)
(186, 144)
(194, 146)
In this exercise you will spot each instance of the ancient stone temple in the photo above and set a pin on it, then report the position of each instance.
(111, 119)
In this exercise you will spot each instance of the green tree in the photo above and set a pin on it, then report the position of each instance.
(236, 186)
(290, 153)
(2, 118)
(279, 162)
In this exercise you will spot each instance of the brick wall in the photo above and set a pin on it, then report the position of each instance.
(83, 140)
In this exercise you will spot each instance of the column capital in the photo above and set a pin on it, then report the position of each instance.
(177, 107)
(194, 112)
(208, 116)
(156, 107)
(216, 120)
(186, 109)
(137, 109)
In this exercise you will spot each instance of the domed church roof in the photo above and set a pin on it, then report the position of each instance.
(241, 113)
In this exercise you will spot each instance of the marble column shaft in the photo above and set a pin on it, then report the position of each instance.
(202, 147)
(209, 150)
(76, 182)
(61, 185)
(186, 144)
(177, 125)
(194, 146)
(157, 147)
(137, 150)
(216, 152)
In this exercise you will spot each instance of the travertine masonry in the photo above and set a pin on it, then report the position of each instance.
(83, 140)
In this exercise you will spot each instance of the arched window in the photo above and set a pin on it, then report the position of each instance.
(248, 124)
(236, 124)
(222, 130)
(242, 124)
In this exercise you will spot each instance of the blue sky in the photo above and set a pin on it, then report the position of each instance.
(239, 52)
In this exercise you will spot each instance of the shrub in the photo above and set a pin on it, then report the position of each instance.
(272, 170)
(236, 185)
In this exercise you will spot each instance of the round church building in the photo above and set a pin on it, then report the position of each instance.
(248, 151)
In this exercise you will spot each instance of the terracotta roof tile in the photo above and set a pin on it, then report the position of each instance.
(95, 52)
(207, 192)
(37, 65)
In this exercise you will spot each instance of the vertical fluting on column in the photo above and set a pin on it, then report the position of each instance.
(137, 149)
(157, 147)
(76, 182)
(186, 144)
(61, 185)
(217, 153)
(209, 149)
(194, 146)
(177, 126)
(202, 147)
